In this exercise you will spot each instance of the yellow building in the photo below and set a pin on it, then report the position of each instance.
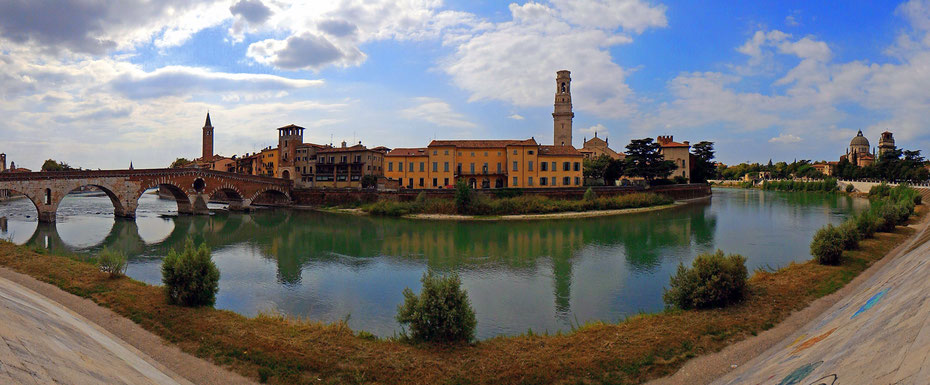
(679, 153)
(268, 162)
(485, 164)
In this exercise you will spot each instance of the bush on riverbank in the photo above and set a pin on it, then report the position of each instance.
(112, 262)
(889, 207)
(441, 313)
(191, 278)
(714, 280)
(520, 205)
(826, 185)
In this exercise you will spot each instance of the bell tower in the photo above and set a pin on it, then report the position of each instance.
(2, 162)
(207, 139)
(562, 114)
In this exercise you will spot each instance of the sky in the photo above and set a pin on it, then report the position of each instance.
(100, 84)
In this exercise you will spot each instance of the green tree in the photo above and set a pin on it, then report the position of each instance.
(441, 313)
(190, 277)
(596, 168)
(704, 161)
(369, 181)
(614, 171)
(180, 163)
(644, 160)
(53, 165)
(464, 197)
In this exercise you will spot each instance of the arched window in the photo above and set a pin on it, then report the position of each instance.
(563, 86)
(48, 196)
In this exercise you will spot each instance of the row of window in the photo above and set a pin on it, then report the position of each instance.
(543, 166)
(338, 178)
(543, 181)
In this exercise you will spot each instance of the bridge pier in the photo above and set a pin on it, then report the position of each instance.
(241, 205)
(47, 215)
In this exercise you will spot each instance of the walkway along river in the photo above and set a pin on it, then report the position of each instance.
(545, 275)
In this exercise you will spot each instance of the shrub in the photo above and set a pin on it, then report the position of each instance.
(850, 234)
(866, 224)
(850, 188)
(441, 313)
(887, 216)
(464, 196)
(880, 190)
(369, 181)
(191, 278)
(827, 246)
(421, 198)
(714, 280)
(590, 195)
(112, 262)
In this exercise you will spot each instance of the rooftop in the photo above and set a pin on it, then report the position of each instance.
(407, 152)
(484, 143)
(558, 150)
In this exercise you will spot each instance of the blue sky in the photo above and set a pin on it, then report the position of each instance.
(99, 84)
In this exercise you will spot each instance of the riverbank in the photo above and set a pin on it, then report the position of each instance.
(521, 217)
(294, 351)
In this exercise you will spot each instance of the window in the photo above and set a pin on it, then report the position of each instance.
(445, 181)
(400, 166)
(422, 166)
(345, 159)
(473, 154)
(577, 181)
(472, 168)
(421, 182)
(358, 159)
(458, 169)
(566, 181)
(514, 182)
(567, 166)
(411, 183)
(555, 182)
(542, 181)
(577, 166)
(390, 166)
(530, 152)
(498, 167)
(529, 181)
(498, 153)
(411, 167)
(447, 152)
(435, 182)
(515, 165)
(446, 167)
(485, 153)
(515, 152)
(460, 153)
(435, 167)
(435, 152)
(529, 166)
(543, 166)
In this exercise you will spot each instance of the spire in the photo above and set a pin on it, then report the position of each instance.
(130, 165)
(208, 124)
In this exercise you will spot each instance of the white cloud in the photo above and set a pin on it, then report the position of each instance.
(540, 40)
(516, 117)
(598, 129)
(437, 112)
(785, 139)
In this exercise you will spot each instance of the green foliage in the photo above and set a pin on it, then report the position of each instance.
(180, 163)
(644, 160)
(190, 277)
(441, 313)
(589, 194)
(880, 190)
(827, 246)
(508, 192)
(850, 235)
(893, 165)
(369, 181)
(112, 262)
(520, 205)
(703, 168)
(826, 185)
(421, 197)
(850, 188)
(714, 280)
(464, 197)
(595, 168)
(866, 224)
(53, 165)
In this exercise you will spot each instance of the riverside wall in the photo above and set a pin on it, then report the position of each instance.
(330, 197)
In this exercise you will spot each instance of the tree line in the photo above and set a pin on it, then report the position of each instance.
(893, 165)
(644, 160)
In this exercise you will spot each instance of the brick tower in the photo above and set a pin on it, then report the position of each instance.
(289, 137)
(2, 162)
(207, 139)
(562, 114)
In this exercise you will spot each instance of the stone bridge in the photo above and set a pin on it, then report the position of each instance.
(191, 188)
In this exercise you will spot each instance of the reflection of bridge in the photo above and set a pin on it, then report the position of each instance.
(191, 188)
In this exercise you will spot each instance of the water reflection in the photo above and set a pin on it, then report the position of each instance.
(540, 275)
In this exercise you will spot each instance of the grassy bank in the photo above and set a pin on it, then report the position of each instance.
(519, 205)
(281, 350)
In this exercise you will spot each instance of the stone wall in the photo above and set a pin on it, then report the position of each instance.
(330, 197)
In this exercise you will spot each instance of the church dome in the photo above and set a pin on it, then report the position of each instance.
(859, 141)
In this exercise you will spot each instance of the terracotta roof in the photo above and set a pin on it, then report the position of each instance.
(558, 150)
(674, 144)
(407, 152)
(483, 143)
(357, 147)
(381, 148)
(313, 145)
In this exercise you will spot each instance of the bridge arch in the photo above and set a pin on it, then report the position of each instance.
(271, 196)
(119, 209)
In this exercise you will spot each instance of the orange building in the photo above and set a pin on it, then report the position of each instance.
(485, 164)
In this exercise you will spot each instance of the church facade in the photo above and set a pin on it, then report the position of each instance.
(860, 152)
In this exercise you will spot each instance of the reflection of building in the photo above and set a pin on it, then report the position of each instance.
(680, 153)
(596, 147)
(345, 166)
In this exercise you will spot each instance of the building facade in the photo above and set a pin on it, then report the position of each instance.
(305, 163)
(680, 153)
(289, 138)
(485, 164)
(885, 143)
(596, 147)
(859, 151)
(345, 166)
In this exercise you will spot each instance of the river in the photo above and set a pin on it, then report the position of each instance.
(545, 275)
